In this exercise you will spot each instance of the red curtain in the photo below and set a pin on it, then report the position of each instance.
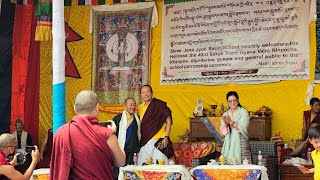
(25, 71)
(31, 101)
(20, 52)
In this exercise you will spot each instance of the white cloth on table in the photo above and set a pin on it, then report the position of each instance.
(296, 160)
(40, 171)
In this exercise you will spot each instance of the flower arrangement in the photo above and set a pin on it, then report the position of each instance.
(264, 111)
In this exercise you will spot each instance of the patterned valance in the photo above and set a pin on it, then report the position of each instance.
(82, 2)
(176, 1)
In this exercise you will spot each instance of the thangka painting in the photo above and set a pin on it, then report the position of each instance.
(121, 43)
(317, 71)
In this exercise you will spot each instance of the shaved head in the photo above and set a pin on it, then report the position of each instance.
(86, 102)
(7, 140)
(125, 101)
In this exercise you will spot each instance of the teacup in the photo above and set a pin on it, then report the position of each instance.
(222, 159)
(234, 161)
(149, 160)
(213, 161)
(160, 161)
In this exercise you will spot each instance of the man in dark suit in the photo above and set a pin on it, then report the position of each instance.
(128, 131)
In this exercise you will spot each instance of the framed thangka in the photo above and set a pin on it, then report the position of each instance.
(121, 50)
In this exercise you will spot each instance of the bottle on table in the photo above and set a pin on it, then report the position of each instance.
(309, 159)
(135, 159)
(245, 161)
(260, 159)
(291, 141)
(222, 110)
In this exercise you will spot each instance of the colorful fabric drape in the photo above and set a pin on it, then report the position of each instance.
(185, 152)
(22, 1)
(19, 54)
(25, 65)
(31, 109)
(98, 2)
(20, 48)
(83, 2)
(154, 172)
(222, 174)
(44, 28)
(44, 16)
(213, 131)
(25, 79)
(151, 175)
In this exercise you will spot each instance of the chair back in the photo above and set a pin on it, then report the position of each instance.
(267, 148)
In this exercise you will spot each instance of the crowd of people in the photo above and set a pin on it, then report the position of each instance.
(85, 149)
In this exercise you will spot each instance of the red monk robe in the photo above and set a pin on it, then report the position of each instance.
(3, 161)
(153, 119)
(307, 121)
(83, 153)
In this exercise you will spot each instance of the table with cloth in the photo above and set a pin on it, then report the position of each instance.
(234, 172)
(154, 172)
(40, 174)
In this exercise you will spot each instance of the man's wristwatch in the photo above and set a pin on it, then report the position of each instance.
(167, 137)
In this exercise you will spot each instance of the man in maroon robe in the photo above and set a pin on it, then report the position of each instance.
(8, 145)
(82, 149)
(156, 124)
(310, 118)
(46, 149)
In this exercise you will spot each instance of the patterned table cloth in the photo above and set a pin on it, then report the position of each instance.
(234, 172)
(154, 172)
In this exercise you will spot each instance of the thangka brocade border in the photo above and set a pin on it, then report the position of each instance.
(122, 76)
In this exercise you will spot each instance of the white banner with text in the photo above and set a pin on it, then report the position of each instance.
(222, 41)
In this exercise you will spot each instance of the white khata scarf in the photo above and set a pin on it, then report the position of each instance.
(123, 128)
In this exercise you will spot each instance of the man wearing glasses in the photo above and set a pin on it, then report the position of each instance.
(8, 145)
